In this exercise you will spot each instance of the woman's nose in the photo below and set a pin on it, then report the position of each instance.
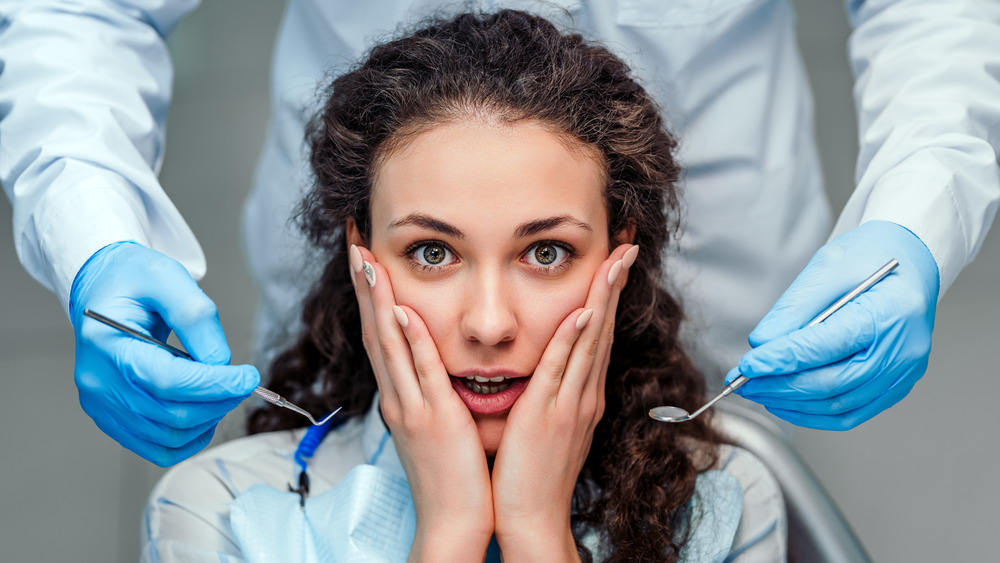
(489, 316)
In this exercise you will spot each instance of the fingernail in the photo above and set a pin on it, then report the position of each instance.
(400, 315)
(354, 256)
(584, 318)
(369, 273)
(630, 257)
(616, 270)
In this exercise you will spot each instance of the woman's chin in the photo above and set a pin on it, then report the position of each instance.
(490, 430)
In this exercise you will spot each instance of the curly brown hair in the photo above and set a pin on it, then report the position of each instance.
(512, 66)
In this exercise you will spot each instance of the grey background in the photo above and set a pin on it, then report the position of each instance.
(915, 484)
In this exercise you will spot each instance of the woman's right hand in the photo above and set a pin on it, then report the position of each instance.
(436, 439)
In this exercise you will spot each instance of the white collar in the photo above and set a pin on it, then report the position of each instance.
(376, 443)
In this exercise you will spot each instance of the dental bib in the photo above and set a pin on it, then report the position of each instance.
(369, 516)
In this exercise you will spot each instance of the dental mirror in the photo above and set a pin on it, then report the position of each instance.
(677, 414)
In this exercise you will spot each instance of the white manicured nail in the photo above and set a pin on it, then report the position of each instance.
(354, 257)
(629, 258)
(400, 315)
(584, 318)
(369, 273)
(616, 270)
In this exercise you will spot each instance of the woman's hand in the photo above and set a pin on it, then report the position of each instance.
(550, 428)
(435, 436)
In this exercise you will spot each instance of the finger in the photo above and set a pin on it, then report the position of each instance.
(142, 428)
(160, 455)
(626, 254)
(593, 343)
(392, 345)
(186, 415)
(161, 373)
(830, 274)
(851, 419)
(732, 376)
(628, 258)
(187, 310)
(432, 376)
(844, 334)
(864, 388)
(369, 330)
(170, 378)
(548, 375)
(824, 382)
(127, 312)
(127, 397)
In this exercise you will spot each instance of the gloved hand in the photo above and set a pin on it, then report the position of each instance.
(162, 407)
(865, 357)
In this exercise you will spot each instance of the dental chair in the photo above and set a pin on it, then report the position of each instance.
(817, 531)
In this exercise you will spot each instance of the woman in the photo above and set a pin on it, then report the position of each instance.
(489, 202)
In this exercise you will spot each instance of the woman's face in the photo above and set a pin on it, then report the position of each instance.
(492, 234)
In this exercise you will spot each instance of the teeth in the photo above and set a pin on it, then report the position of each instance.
(486, 388)
(481, 379)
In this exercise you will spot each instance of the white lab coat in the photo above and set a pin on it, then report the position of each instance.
(85, 87)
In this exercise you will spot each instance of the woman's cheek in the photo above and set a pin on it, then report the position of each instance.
(435, 306)
(548, 308)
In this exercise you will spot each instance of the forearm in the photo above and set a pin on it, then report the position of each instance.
(927, 84)
(456, 543)
(83, 100)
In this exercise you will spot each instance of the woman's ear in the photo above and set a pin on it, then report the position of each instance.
(352, 234)
(625, 235)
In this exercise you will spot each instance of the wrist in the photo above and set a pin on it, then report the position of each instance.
(447, 543)
(95, 261)
(537, 541)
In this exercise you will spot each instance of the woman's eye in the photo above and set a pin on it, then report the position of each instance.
(432, 255)
(546, 255)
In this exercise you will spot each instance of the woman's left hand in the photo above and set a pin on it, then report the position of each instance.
(550, 428)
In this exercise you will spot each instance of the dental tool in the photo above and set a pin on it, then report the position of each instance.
(677, 414)
(263, 393)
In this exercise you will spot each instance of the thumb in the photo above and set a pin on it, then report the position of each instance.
(835, 269)
(844, 334)
(813, 290)
(186, 309)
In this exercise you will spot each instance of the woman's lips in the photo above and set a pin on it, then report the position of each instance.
(489, 403)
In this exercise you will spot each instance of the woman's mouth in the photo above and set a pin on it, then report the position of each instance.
(490, 393)
(486, 385)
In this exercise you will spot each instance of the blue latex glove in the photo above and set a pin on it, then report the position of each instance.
(865, 357)
(162, 407)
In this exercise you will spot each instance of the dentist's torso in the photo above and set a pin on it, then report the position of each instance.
(728, 76)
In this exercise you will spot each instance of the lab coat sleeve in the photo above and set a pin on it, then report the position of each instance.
(84, 92)
(927, 90)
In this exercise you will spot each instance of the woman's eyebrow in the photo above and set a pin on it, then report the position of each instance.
(523, 230)
(428, 222)
(540, 225)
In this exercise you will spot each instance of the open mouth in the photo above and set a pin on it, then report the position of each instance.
(488, 395)
(486, 385)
